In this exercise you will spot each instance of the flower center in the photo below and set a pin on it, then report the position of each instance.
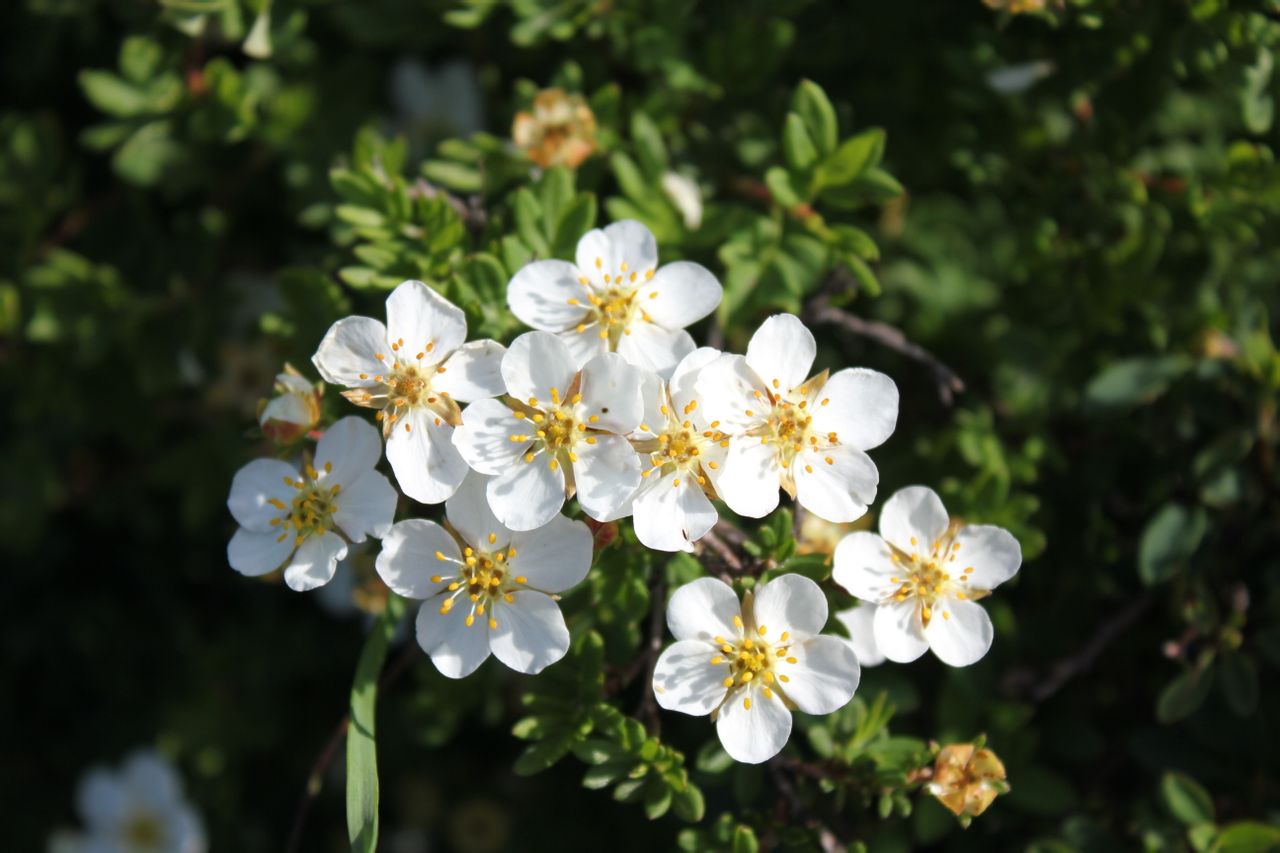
(142, 832)
(615, 306)
(481, 578)
(310, 513)
(925, 577)
(788, 425)
(753, 659)
(405, 385)
(680, 445)
(556, 428)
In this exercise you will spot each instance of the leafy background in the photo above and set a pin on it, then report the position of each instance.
(191, 191)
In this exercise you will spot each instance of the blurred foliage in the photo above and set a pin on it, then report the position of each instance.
(192, 190)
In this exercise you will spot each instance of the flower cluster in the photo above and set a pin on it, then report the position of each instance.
(609, 400)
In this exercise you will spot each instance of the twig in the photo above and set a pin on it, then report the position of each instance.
(722, 550)
(647, 712)
(827, 838)
(945, 379)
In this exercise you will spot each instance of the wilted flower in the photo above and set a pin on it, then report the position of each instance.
(561, 431)
(860, 623)
(616, 299)
(295, 409)
(306, 518)
(487, 588)
(807, 436)
(139, 808)
(561, 130)
(749, 666)
(967, 779)
(926, 573)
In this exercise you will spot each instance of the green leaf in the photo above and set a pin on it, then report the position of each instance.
(1248, 837)
(111, 94)
(650, 149)
(1169, 540)
(744, 840)
(779, 184)
(854, 156)
(1134, 381)
(657, 799)
(362, 755)
(689, 804)
(1186, 799)
(1239, 679)
(797, 145)
(456, 176)
(814, 108)
(603, 775)
(1181, 697)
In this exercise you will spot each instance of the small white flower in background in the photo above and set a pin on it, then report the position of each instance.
(414, 370)
(685, 195)
(561, 430)
(139, 808)
(805, 435)
(1012, 79)
(682, 454)
(926, 573)
(749, 666)
(295, 409)
(859, 622)
(301, 517)
(487, 588)
(616, 299)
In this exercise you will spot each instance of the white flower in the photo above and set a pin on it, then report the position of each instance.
(683, 456)
(294, 410)
(302, 517)
(413, 370)
(487, 588)
(858, 621)
(805, 435)
(685, 195)
(138, 809)
(748, 667)
(560, 430)
(926, 572)
(615, 299)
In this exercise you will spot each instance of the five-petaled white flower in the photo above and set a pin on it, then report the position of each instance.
(302, 517)
(925, 573)
(805, 435)
(560, 430)
(414, 370)
(138, 809)
(616, 299)
(487, 588)
(682, 454)
(748, 667)
(859, 622)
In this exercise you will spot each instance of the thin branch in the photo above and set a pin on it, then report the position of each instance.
(792, 808)
(647, 713)
(948, 384)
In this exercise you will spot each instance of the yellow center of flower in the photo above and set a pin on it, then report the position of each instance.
(480, 578)
(142, 832)
(310, 512)
(555, 428)
(680, 445)
(927, 576)
(406, 384)
(788, 423)
(752, 657)
(614, 306)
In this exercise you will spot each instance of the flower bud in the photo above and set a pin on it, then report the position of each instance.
(295, 409)
(966, 779)
(561, 130)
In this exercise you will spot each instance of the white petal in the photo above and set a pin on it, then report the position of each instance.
(790, 603)
(421, 317)
(863, 565)
(607, 474)
(653, 398)
(838, 491)
(152, 781)
(862, 639)
(585, 345)
(991, 554)
(824, 676)
(684, 679)
(352, 446)
(686, 292)
(611, 391)
(540, 292)
(535, 363)
(484, 438)
(726, 390)
(703, 610)
(899, 631)
(408, 561)
(473, 372)
(531, 634)
(684, 380)
(959, 632)
(669, 517)
(455, 649)
(101, 799)
(782, 349)
(756, 735)
(253, 553)
(553, 557)
(528, 495)
(605, 251)
(915, 512)
(859, 405)
(427, 464)
(470, 514)
(366, 507)
(254, 485)
(649, 346)
(287, 408)
(315, 561)
(349, 351)
(750, 477)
